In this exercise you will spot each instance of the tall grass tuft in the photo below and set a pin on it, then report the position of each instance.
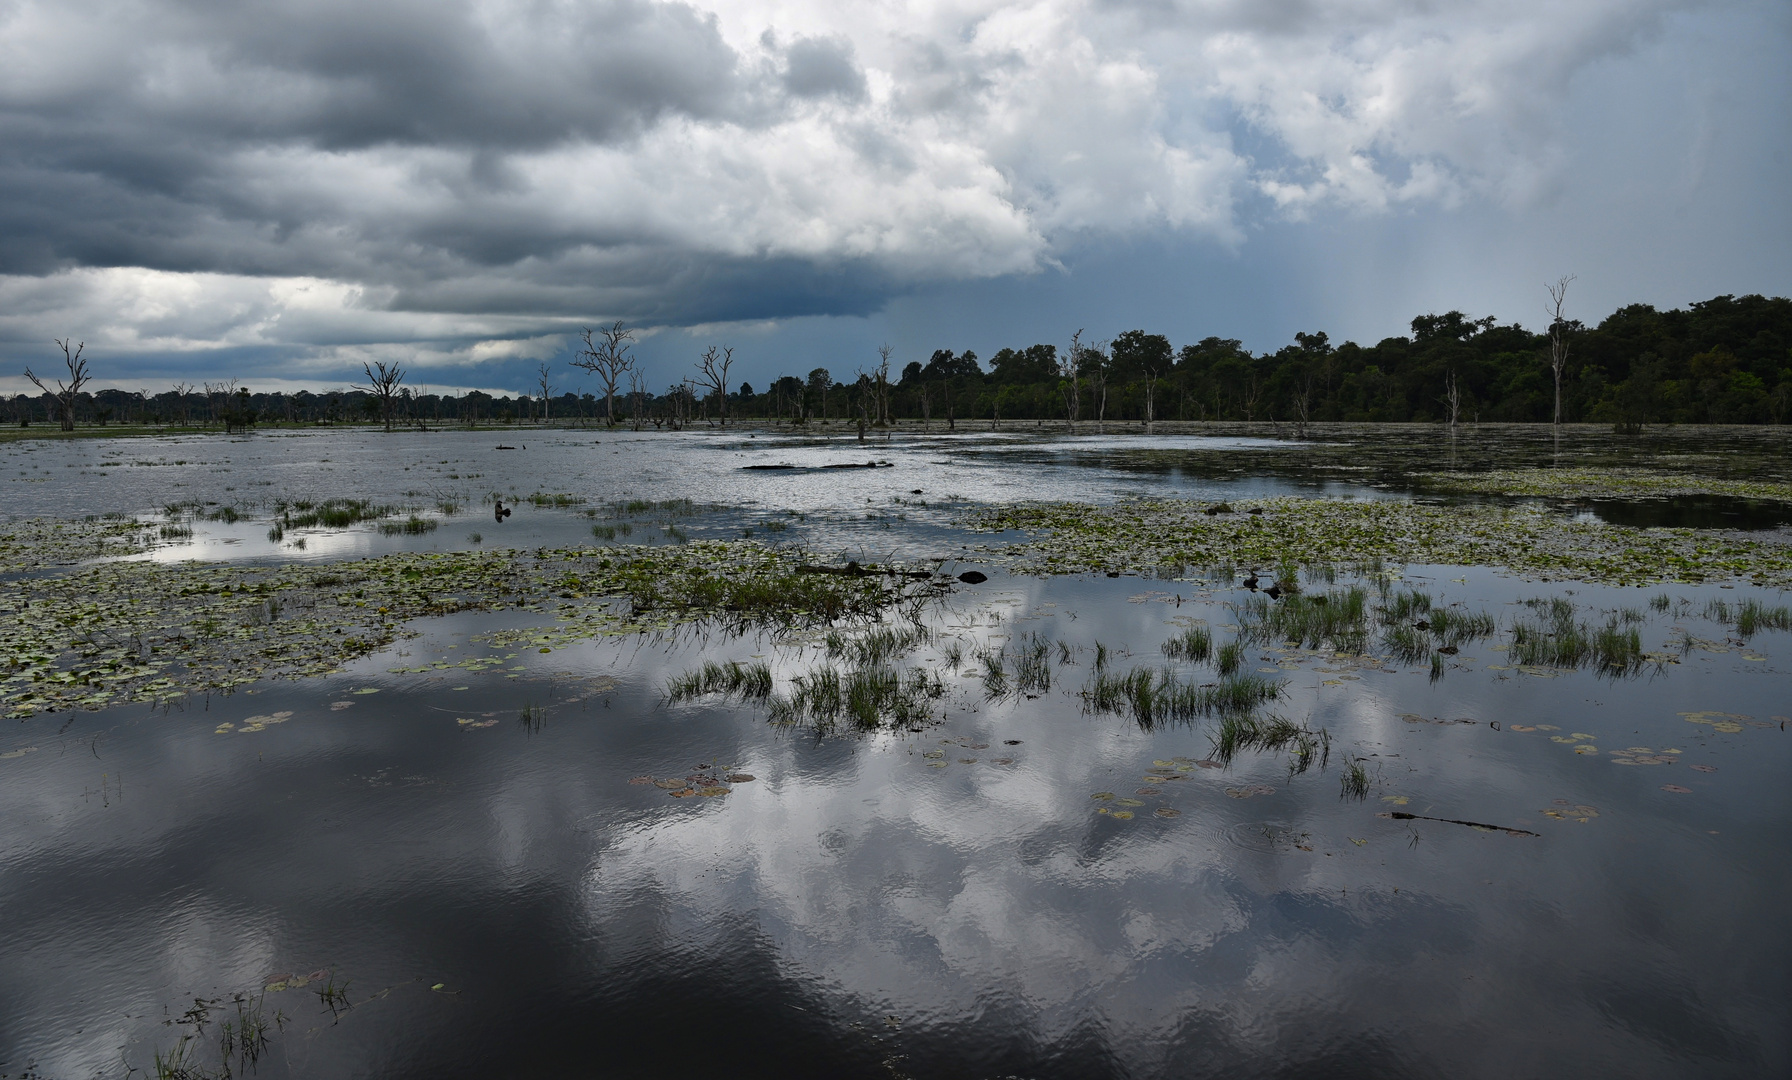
(1153, 698)
(748, 682)
(1194, 644)
(1239, 732)
(1336, 618)
(1752, 616)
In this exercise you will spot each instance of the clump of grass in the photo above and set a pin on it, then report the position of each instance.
(879, 645)
(331, 513)
(1752, 616)
(1407, 643)
(650, 506)
(227, 514)
(1336, 618)
(774, 526)
(675, 534)
(176, 532)
(1404, 606)
(1101, 656)
(771, 592)
(1661, 602)
(1033, 668)
(1238, 732)
(447, 507)
(1717, 610)
(868, 698)
(1562, 642)
(1152, 698)
(748, 682)
(954, 653)
(475, 538)
(1065, 653)
(604, 532)
(1437, 666)
(411, 526)
(1194, 644)
(995, 674)
(1459, 626)
(541, 498)
(1356, 782)
(1230, 656)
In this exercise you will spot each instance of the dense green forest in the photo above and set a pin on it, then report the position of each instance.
(1727, 360)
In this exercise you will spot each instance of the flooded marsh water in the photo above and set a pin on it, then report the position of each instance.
(497, 847)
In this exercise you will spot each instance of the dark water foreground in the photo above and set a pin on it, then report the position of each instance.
(476, 853)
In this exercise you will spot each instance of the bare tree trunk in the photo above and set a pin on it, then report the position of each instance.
(64, 394)
(1558, 337)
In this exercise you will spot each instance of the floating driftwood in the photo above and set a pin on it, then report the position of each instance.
(1401, 815)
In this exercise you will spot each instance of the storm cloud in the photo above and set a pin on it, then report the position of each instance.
(377, 173)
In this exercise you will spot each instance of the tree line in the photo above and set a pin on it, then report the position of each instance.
(1726, 360)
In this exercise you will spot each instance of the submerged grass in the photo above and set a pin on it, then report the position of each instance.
(1153, 698)
(1194, 645)
(1335, 619)
(1239, 732)
(1559, 640)
(878, 645)
(747, 682)
(866, 698)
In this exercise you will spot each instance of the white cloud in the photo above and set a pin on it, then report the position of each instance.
(311, 178)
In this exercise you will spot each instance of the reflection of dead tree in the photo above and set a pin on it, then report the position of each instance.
(925, 392)
(1558, 336)
(608, 358)
(382, 383)
(64, 394)
(712, 374)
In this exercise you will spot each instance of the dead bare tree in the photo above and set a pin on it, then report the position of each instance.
(1558, 336)
(1099, 366)
(382, 383)
(925, 393)
(884, 352)
(1150, 397)
(64, 394)
(712, 373)
(864, 400)
(1303, 404)
(1453, 400)
(608, 358)
(637, 389)
(546, 389)
(181, 390)
(1070, 379)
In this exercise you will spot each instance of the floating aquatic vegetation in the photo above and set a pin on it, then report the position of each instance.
(138, 631)
(1141, 534)
(37, 543)
(1586, 483)
(1355, 782)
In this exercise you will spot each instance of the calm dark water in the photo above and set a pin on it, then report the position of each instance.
(502, 901)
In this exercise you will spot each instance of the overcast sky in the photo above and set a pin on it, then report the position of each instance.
(280, 189)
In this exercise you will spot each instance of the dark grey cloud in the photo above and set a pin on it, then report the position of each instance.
(818, 67)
